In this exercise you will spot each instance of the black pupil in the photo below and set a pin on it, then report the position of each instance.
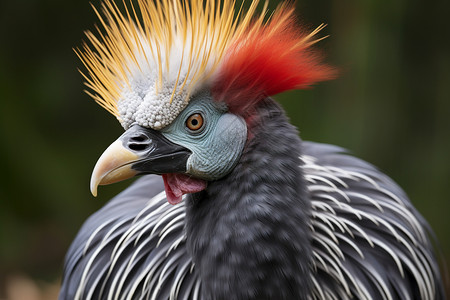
(194, 122)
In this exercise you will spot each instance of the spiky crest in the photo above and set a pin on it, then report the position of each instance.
(268, 59)
(172, 48)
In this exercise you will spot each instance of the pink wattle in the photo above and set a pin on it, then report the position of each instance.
(176, 185)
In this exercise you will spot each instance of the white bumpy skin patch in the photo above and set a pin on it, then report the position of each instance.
(150, 108)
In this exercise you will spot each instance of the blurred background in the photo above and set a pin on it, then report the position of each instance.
(389, 106)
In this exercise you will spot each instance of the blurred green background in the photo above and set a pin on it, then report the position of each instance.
(390, 106)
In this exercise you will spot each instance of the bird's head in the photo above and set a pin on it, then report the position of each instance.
(182, 78)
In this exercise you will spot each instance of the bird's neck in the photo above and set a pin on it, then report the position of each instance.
(248, 233)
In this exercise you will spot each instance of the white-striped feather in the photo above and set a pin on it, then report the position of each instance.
(339, 233)
(156, 221)
(333, 200)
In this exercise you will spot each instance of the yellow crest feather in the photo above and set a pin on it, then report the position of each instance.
(205, 29)
(165, 50)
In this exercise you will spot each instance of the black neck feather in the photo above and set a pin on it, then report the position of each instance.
(248, 233)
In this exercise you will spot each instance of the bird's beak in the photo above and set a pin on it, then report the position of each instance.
(138, 151)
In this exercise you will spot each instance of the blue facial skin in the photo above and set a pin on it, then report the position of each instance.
(217, 146)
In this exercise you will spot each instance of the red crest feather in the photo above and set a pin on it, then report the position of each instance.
(266, 60)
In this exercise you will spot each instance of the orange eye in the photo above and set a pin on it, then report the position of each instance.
(194, 122)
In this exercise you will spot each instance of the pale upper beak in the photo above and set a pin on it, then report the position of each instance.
(113, 166)
(138, 151)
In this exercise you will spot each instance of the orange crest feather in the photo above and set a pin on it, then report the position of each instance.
(269, 59)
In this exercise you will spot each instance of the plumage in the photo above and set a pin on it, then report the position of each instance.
(148, 64)
(264, 214)
(359, 222)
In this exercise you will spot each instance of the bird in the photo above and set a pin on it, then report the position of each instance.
(230, 202)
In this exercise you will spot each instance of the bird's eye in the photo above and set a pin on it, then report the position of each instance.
(195, 122)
